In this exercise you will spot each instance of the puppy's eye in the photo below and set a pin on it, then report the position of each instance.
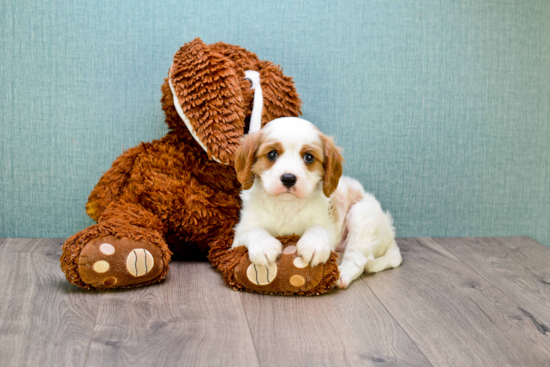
(308, 158)
(272, 155)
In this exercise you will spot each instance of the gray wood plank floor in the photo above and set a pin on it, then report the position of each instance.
(453, 302)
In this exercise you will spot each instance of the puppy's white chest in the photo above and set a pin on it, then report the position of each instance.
(283, 218)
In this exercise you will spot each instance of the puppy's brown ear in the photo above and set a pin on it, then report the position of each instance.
(332, 165)
(245, 158)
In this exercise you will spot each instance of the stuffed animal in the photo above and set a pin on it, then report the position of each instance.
(180, 195)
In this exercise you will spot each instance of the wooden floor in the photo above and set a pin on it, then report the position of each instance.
(453, 302)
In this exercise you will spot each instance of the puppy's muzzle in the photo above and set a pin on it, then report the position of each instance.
(288, 180)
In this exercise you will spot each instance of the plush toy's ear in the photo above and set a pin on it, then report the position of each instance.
(332, 165)
(245, 158)
(207, 96)
(279, 94)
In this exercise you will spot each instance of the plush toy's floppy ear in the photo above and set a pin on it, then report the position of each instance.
(208, 98)
(332, 165)
(245, 158)
(279, 94)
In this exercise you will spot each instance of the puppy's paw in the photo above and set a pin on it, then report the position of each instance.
(348, 273)
(344, 281)
(341, 283)
(314, 247)
(265, 252)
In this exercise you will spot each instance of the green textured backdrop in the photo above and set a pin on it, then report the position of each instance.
(442, 107)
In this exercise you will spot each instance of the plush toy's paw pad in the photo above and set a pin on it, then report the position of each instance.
(290, 274)
(261, 275)
(289, 250)
(112, 262)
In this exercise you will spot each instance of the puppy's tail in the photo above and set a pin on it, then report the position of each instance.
(391, 259)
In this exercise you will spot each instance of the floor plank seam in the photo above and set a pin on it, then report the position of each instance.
(497, 240)
(514, 258)
(249, 329)
(486, 279)
(397, 322)
(93, 333)
(531, 317)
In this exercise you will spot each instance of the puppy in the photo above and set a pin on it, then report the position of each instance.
(291, 174)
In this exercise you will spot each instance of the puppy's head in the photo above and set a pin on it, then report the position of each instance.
(290, 157)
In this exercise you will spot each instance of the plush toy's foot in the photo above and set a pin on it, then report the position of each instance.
(107, 262)
(290, 275)
(114, 261)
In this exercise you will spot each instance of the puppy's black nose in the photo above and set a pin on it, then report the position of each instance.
(288, 180)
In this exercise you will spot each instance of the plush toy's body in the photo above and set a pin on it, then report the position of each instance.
(178, 194)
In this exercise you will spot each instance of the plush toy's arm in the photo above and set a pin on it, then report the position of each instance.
(112, 183)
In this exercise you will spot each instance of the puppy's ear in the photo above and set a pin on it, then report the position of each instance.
(332, 165)
(245, 158)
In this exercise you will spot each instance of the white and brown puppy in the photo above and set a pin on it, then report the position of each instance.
(291, 175)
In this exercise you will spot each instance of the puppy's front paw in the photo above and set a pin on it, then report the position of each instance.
(348, 273)
(344, 280)
(265, 252)
(314, 248)
(341, 283)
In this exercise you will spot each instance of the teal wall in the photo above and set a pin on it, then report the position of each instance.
(442, 107)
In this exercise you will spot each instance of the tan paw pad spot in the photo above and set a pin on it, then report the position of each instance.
(101, 266)
(297, 280)
(289, 250)
(109, 281)
(107, 248)
(139, 262)
(300, 263)
(261, 275)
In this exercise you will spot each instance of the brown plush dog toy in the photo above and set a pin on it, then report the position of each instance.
(180, 194)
